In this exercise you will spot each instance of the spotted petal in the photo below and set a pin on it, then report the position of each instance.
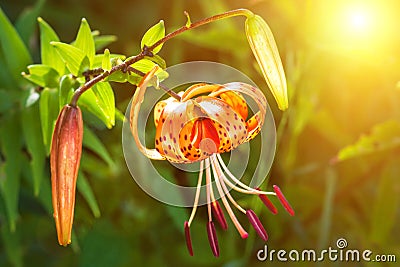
(137, 101)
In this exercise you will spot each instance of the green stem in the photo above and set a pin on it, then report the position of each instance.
(102, 76)
(228, 14)
(148, 50)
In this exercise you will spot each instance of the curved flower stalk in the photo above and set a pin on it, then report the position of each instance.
(206, 121)
(65, 155)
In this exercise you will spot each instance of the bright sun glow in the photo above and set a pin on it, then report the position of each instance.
(364, 27)
(359, 20)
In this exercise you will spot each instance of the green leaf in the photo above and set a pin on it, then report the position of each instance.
(153, 35)
(84, 41)
(14, 50)
(6, 80)
(100, 102)
(34, 142)
(92, 142)
(25, 24)
(6, 101)
(103, 40)
(42, 75)
(48, 106)
(119, 115)
(48, 52)
(158, 60)
(106, 63)
(66, 90)
(105, 95)
(87, 192)
(74, 58)
(98, 60)
(383, 217)
(45, 193)
(12, 245)
(383, 136)
(145, 65)
(118, 76)
(11, 147)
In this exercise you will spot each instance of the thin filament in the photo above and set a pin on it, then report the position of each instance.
(208, 188)
(228, 208)
(196, 198)
(249, 189)
(222, 183)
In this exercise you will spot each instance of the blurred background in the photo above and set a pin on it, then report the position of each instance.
(338, 153)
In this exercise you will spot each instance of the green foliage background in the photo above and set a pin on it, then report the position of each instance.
(338, 157)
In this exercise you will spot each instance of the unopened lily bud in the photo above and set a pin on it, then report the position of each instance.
(66, 149)
(264, 48)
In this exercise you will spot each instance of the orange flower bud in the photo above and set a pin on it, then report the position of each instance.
(66, 149)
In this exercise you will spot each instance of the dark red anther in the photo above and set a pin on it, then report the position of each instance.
(212, 238)
(219, 214)
(188, 239)
(257, 225)
(268, 203)
(283, 200)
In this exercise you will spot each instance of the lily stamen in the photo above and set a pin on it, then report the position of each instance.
(196, 198)
(208, 188)
(219, 177)
(245, 189)
(228, 208)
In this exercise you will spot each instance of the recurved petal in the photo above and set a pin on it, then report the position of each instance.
(256, 121)
(237, 102)
(233, 126)
(137, 101)
(264, 48)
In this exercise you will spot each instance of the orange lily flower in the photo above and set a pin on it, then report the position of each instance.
(208, 120)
